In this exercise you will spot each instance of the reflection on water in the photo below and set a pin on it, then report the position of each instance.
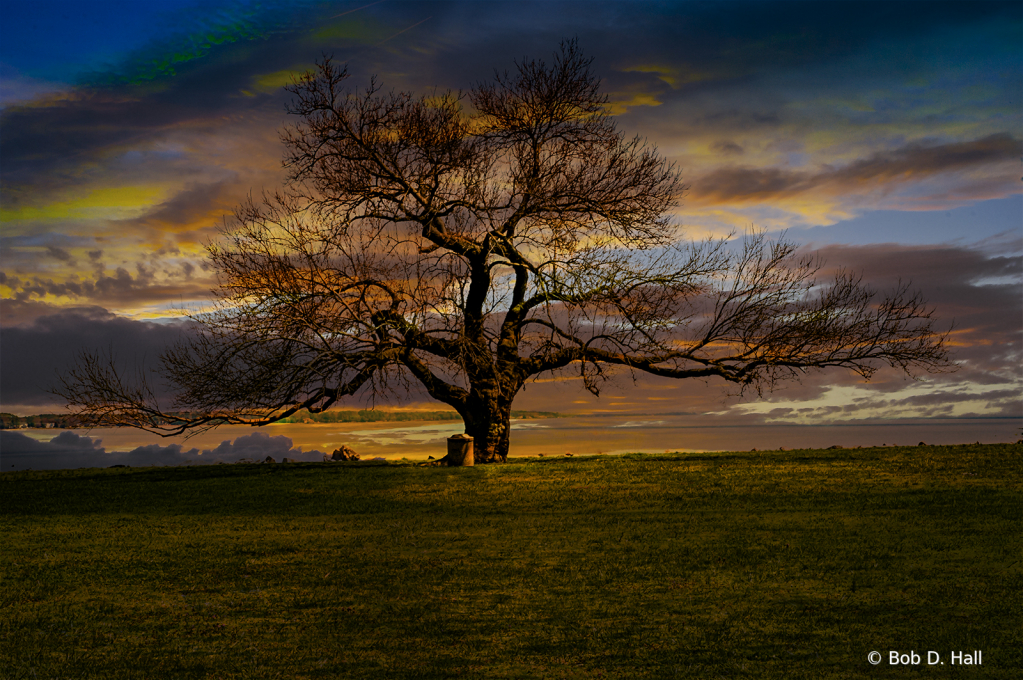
(640, 423)
(420, 434)
(579, 435)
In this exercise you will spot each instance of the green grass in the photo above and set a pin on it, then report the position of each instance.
(734, 565)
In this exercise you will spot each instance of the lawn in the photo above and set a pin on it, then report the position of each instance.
(791, 564)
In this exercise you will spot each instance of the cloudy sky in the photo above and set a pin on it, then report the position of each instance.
(886, 135)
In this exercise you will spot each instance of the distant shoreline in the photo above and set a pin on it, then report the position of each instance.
(10, 421)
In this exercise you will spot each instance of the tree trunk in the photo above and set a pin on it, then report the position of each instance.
(491, 433)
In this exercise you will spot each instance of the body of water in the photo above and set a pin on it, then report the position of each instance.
(579, 435)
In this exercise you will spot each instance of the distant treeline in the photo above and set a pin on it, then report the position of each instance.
(375, 416)
(9, 421)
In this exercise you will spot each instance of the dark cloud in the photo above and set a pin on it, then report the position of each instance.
(34, 354)
(120, 288)
(734, 38)
(42, 146)
(258, 445)
(918, 158)
(913, 161)
(731, 184)
(943, 398)
(24, 312)
(728, 148)
(63, 143)
(121, 283)
(70, 450)
(59, 254)
(196, 202)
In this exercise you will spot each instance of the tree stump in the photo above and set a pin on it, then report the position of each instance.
(460, 450)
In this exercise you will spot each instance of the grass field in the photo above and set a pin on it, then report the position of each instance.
(790, 564)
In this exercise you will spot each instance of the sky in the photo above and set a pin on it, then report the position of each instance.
(886, 136)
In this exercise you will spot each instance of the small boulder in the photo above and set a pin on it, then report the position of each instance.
(269, 459)
(836, 446)
(344, 453)
(921, 444)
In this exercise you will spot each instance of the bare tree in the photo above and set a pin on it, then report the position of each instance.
(471, 242)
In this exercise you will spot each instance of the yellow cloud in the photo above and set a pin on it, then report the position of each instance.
(108, 202)
(268, 82)
(622, 102)
(674, 76)
(161, 312)
(971, 400)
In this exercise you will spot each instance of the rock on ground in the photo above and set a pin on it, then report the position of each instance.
(344, 453)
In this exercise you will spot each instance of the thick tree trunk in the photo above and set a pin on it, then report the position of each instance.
(490, 429)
